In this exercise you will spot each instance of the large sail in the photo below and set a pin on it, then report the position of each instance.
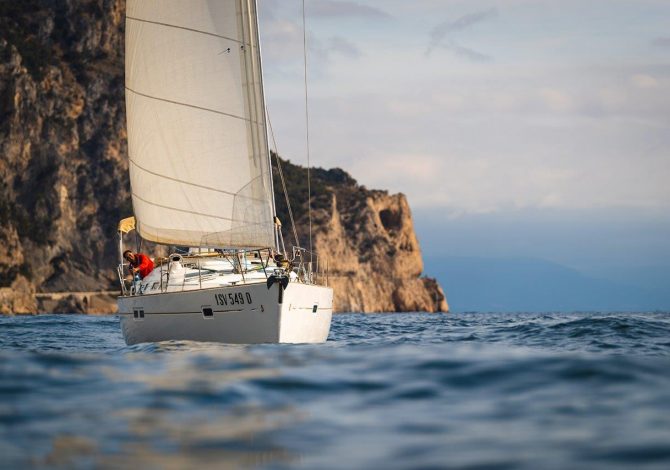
(199, 167)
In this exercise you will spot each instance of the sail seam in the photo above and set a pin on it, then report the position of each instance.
(197, 213)
(193, 106)
(184, 210)
(168, 25)
(176, 180)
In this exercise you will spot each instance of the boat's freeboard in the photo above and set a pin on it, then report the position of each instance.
(242, 314)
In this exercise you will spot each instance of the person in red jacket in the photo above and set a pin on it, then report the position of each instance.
(138, 263)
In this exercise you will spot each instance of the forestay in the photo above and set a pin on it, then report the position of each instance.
(199, 166)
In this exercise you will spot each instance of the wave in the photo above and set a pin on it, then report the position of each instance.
(397, 391)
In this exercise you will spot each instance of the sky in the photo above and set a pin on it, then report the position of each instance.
(520, 128)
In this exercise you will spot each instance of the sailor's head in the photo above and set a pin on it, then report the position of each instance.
(129, 256)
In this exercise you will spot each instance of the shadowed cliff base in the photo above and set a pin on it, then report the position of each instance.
(64, 178)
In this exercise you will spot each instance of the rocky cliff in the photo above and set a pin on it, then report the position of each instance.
(366, 237)
(64, 182)
(63, 169)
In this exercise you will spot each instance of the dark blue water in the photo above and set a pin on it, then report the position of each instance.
(389, 391)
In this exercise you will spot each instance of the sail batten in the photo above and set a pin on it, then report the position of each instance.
(195, 107)
(199, 170)
(186, 211)
(188, 182)
(184, 28)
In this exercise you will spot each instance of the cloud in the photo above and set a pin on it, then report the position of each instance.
(440, 36)
(466, 52)
(556, 124)
(644, 81)
(661, 41)
(342, 46)
(339, 9)
(282, 39)
(557, 100)
(462, 23)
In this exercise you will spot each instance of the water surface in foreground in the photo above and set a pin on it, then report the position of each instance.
(386, 391)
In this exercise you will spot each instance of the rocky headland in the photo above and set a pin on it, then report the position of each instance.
(366, 237)
(64, 178)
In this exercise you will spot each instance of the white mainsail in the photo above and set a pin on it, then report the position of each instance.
(199, 166)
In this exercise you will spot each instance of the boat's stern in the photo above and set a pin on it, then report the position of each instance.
(306, 313)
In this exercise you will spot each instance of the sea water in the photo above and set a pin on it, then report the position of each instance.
(386, 391)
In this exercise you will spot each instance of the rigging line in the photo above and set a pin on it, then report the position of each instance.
(281, 178)
(309, 184)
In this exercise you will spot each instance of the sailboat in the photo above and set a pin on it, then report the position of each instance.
(201, 181)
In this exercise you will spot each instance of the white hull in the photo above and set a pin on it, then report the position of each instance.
(243, 314)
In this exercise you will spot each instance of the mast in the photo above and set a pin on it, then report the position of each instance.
(265, 117)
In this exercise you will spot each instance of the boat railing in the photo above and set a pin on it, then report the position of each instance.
(309, 267)
(120, 271)
(302, 266)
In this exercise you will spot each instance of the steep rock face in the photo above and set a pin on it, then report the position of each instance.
(367, 240)
(375, 265)
(64, 179)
